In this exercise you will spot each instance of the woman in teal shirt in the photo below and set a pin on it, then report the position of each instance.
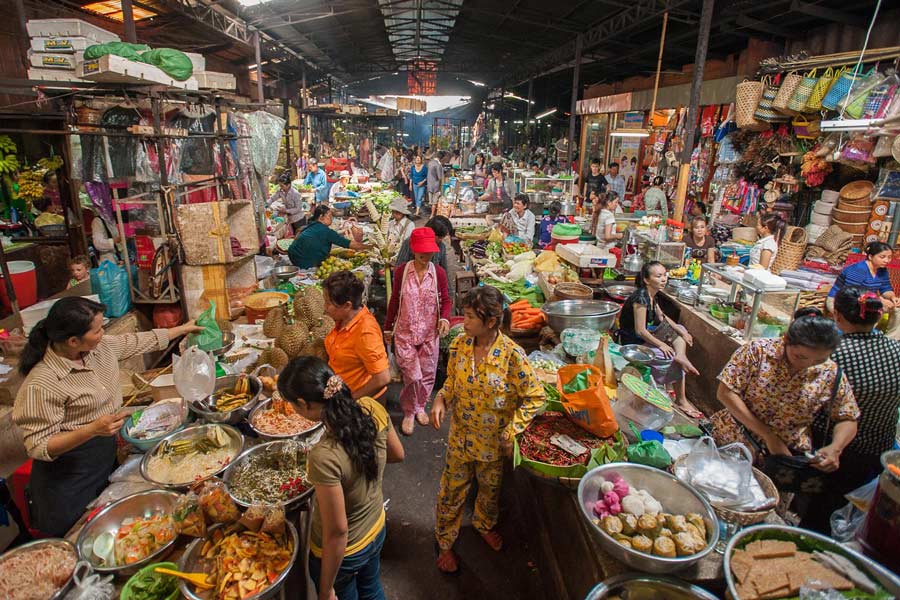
(313, 244)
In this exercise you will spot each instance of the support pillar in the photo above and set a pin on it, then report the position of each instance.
(128, 21)
(528, 111)
(579, 41)
(259, 74)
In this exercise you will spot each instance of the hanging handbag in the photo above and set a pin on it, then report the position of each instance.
(726, 126)
(854, 104)
(814, 103)
(786, 92)
(805, 129)
(802, 92)
(841, 88)
(764, 111)
(746, 99)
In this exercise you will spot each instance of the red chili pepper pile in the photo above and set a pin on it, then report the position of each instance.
(294, 487)
(534, 443)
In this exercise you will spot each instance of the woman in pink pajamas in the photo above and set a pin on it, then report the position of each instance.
(417, 317)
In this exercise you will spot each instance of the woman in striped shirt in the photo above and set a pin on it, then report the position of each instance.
(68, 407)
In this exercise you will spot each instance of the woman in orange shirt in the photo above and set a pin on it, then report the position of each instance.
(355, 346)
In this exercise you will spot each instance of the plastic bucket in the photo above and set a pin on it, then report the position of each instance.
(24, 282)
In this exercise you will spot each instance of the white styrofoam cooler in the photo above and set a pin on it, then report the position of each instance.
(586, 256)
(66, 28)
(814, 232)
(115, 69)
(830, 196)
(50, 60)
(32, 315)
(41, 74)
(823, 208)
(198, 60)
(210, 80)
(819, 219)
(67, 45)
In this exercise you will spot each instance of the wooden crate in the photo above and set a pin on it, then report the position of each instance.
(115, 69)
(226, 285)
(197, 222)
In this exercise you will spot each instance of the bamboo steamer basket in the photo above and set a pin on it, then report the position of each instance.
(857, 190)
(851, 216)
(856, 229)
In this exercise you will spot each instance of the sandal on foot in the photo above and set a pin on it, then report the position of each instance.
(407, 425)
(690, 410)
(447, 562)
(493, 539)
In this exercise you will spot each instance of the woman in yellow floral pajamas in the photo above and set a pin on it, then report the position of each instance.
(492, 394)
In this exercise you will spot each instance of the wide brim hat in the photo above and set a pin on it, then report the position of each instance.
(400, 205)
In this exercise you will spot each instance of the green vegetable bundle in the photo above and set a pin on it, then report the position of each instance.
(518, 290)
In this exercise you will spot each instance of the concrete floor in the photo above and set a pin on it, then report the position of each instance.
(408, 568)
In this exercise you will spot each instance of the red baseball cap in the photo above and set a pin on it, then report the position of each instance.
(422, 241)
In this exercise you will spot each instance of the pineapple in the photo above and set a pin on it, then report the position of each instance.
(274, 323)
(309, 304)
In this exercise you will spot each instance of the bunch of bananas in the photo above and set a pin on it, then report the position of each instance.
(51, 164)
(31, 186)
(8, 161)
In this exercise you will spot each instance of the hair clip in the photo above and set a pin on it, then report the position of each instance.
(334, 385)
(864, 308)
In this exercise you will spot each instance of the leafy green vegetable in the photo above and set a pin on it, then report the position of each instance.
(153, 586)
(551, 392)
(518, 290)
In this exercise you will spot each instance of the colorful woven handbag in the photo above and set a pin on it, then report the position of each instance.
(802, 92)
(786, 92)
(820, 89)
(841, 87)
(855, 103)
(805, 129)
(764, 111)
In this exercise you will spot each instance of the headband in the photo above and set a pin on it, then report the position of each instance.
(865, 310)
(334, 385)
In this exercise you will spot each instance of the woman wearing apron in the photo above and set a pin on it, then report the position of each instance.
(68, 407)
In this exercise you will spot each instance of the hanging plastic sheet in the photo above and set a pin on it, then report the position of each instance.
(197, 152)
(101, 199)
(266, 131)
(122, 149)
(93, 159)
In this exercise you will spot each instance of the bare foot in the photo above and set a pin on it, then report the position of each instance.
(689, 409)
(493, 539)
(407, 425)
(686, 364)
(423, 419)
(447, 562)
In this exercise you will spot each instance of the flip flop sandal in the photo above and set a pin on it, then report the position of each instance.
(437, 552)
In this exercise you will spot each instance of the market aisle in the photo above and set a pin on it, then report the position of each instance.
(407, 563)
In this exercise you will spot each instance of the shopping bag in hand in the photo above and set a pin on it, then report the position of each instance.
(211, 337)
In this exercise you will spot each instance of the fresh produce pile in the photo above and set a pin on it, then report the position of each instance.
(518, 290)
(149, 585)
(9, 163)
(332, 264)
(535, 444)
(381, 199)
(514, 248)
(525, 317)
(542, 364)
(36, 573)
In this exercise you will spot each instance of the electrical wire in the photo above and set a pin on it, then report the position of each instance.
(859, 62)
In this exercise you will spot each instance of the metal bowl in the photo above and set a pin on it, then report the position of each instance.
(636, 353)
(598, 315)
(265, 405)
(244, 457)
(37, 544)
(227, 344)
(191, 562)
(142, 504)
(676, 285)
(194, 431)
(676, 497)
(284, 272)
(640, 585)
(618, 292)
(232, 417)
(872, 569)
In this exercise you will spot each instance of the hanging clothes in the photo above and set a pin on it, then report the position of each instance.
(122, 149)
(197, 152)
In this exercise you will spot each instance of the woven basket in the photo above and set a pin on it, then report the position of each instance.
(802, 92)
(472, 236)
(855, 229)
(573, 291)
(569, 483)
(740, 517)
(764, 110)
(786, 93)
(258, 305)
(790, 250)
(841, 88)
(746, 98)
(824, 82)
(857, 190)
(854, 205)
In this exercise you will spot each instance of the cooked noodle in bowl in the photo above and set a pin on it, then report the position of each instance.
(36, 571)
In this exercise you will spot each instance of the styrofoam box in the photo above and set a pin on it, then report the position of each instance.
(69, 28)
(32, 315)
(115, 69)
(198, 60)
(210, 80)
(50, 60)
(41, 74)
(66, 45)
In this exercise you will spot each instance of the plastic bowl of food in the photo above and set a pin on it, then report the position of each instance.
(676, 497)
(139, 586)
(102, 543)
(144, 444)
(197, 452)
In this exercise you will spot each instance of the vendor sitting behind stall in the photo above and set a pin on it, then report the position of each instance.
(553, 217)
(872, 275)
(69, 406)
(607, 236)
(770, 229)
(499, 188)
(313, 244)
(655, 200)
(521, 219)
(701, 243)
(339, 187)
(316, 178)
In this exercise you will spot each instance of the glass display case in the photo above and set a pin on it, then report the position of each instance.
(551, 186)
(777, 306)
(670, 254)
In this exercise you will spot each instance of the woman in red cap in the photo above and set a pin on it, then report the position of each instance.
(417, 317)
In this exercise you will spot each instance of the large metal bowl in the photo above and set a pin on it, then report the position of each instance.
(639, 586)
(236, 446)
(266, 405)
(243, 458)
(598, 315)
(676, 497)
(37, 544)
(142, 504)
(872, 569)
(232, 417)
(618, 292)
(636, 353)
(284, 272)
(191, 562)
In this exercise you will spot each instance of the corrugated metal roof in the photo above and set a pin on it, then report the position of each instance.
(419, 29)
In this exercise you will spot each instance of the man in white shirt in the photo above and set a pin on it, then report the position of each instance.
(522, 219)
(615, 181)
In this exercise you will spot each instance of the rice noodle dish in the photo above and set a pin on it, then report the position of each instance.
(187, 460)
(281, 419)
(36, 574)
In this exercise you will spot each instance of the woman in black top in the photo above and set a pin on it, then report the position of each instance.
(642, 321)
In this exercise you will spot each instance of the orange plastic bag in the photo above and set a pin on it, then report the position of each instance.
(588, 408)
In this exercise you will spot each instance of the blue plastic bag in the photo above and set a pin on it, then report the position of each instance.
(110, 281)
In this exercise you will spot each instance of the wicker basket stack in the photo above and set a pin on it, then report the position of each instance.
(854, 208)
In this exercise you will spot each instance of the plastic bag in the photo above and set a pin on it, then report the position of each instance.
(846, 521)
(123, 49)
(90, 585)
(217, 505)
(589, 408)
(175, 63)
(651, 453)
(211, 337)
(188, 516)
(110, 281)
(862, 496)
(724, 475)
(194, 374)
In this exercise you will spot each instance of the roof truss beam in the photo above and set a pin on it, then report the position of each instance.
(829, 14)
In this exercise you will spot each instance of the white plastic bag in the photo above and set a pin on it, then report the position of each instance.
(194, 373)
(723, 474)
(90, 585)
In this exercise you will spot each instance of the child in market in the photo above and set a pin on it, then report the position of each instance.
(79, 269)
(492, 394)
